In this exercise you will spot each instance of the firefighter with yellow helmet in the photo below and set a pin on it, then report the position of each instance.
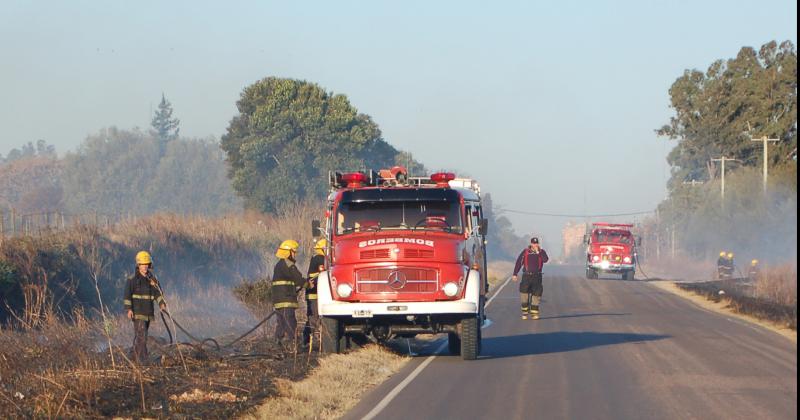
(287, 281)
(722, 263)
(316, 266)
(754, 271)
(141, 293)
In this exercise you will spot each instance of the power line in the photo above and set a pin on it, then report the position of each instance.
(532, 213)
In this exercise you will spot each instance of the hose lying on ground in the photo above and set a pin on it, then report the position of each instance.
(201, 343)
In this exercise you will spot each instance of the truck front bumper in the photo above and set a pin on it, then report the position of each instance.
(609, 267)
(373, 309)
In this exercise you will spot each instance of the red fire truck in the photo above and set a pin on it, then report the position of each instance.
(406, 256)
(611, 248)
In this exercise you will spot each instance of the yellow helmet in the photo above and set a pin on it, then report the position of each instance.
(722, 253)
(286, 247)
(320, 245)
(754, 262)
(143, 257)
(730, 255)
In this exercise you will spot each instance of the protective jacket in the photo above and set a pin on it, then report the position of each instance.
(140, 295)
(287, 280)
(530, 261)
(313, 273)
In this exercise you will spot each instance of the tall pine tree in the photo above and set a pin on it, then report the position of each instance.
(164, 126)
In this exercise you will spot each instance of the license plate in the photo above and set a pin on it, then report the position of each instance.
(362, 313)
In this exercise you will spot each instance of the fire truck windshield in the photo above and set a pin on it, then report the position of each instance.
(398, 210)
(615, 236)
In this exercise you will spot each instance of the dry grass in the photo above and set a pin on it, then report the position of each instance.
(56, 362)
(499, 271)
(777, 284)
(333, 387)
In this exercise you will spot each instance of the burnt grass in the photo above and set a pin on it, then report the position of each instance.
(51, 381)
(738, 294)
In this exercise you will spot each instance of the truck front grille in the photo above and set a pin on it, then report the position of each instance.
(397, 280)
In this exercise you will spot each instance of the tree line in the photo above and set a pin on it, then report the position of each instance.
(287, 135)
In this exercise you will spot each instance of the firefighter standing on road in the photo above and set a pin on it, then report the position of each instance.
(316, 266)
(531, 260)
(287, 281)
(141, 292)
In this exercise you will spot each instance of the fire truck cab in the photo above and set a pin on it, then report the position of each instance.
(611, 248)
(406, 256)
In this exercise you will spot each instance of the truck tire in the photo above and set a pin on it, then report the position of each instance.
(628, 275)
(333, 338)
(453, 344)
(591, 274)
(470, 338)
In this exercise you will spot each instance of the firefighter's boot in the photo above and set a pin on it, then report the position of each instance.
(535, 312)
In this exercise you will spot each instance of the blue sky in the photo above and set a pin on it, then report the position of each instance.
(552, 106)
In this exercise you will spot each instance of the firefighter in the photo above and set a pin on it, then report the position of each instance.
(730, 265)
(752, 273)
(722, 263)
(141, 292)
(287, 281)
(531, 260)
(316, 266)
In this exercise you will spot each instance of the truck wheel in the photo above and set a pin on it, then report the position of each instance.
(333, 338)
(453, 344)
(628, 275)
(591, 274)
(470, 338)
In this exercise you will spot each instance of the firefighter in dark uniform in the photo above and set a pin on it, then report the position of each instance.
(531, 260)
(141, 292)
(316, 266)
(722, 263)
(287, 281)
(754, 271)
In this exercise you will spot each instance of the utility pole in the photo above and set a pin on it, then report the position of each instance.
(766, 141)
(723, 160)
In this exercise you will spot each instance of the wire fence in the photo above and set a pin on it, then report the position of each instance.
(14, 223)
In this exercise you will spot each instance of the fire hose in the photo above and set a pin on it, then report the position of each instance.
(201, 343)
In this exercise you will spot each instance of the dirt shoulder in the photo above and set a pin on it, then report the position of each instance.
(724, 307)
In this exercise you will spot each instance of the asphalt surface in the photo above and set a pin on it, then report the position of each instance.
(603, 349)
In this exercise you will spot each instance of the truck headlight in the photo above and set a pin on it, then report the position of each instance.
(450, 289)
(605, 264)
(344, 290)
(595, 258)
(626, 260)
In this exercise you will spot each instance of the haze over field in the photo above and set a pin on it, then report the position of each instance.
(553, 108)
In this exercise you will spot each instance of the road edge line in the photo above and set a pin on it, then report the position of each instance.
(397, 389)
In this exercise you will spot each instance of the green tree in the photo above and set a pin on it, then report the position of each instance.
(289, 134)
(165, 128)
(717, 112)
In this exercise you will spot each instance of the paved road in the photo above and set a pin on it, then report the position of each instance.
(603, 349)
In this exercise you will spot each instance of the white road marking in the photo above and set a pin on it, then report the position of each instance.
(397, 389)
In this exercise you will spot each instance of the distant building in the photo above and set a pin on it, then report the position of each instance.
(573, 249)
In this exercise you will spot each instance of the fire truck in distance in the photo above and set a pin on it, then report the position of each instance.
(611, 248)
(406, 256)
